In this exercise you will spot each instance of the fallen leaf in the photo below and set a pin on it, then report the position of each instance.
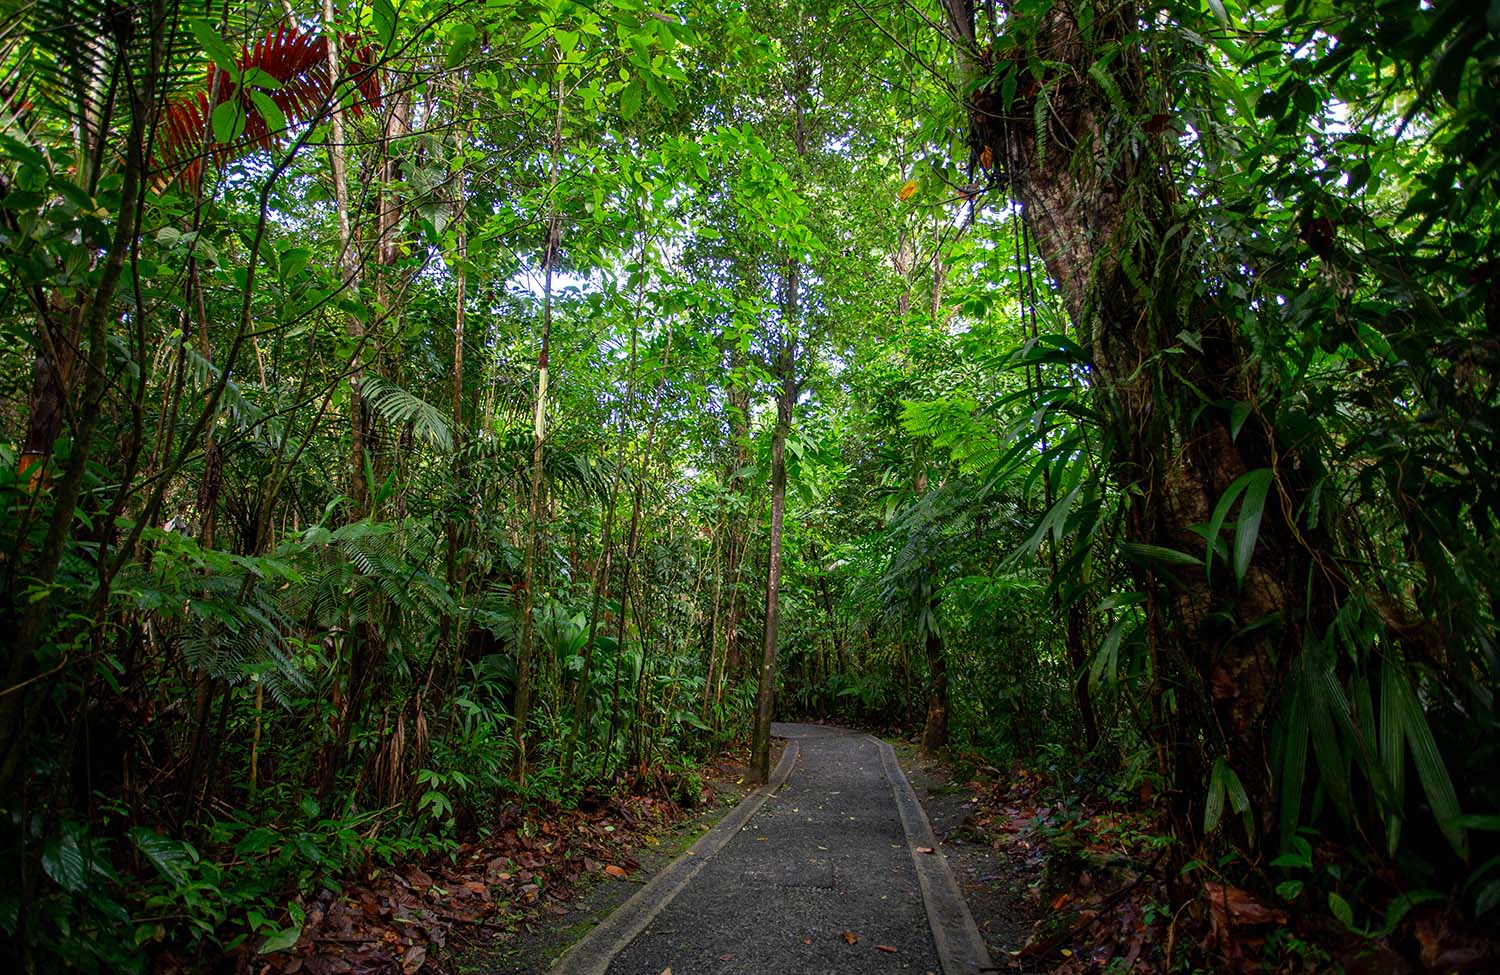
(1238, 907)
(851, 937)
(415, 956)
(615, 871)
(886, 948)
(1059, 901)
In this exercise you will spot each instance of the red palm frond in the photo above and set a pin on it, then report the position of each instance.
(299, 63)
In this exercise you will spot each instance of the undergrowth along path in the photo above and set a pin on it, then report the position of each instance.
(830, 869)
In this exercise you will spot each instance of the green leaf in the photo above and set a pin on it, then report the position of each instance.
(269, 111)
(401, 407)
(1402, 904)
(63, 861)
(1391, 736)
(1213, 804)
(228, 122)
(258, 78)
(214, 45)
(23, 153)
(281, 940)
(1479, 821)
(1141, 552)
(1340, 909)
(1247, 530)
(169, 856)
(1425, 758)
(385, 17)
(1223, 784)
(460, 40)
(630, 101)
(256, 841)
(1292, 732)
(1241, 485)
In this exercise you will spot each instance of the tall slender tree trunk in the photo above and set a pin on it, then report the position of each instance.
(338, 167)
(760, 746)
(935, 732)
(632, 547)
(536, 508)
(452, 624)
(606, 545)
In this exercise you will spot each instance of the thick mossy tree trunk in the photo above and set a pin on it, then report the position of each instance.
(1057, 120)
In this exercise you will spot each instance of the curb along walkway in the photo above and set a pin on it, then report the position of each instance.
(819, 872)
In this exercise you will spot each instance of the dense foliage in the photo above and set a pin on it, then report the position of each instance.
(414, 411)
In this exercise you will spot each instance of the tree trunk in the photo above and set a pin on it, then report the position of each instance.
(760, 747)
(1109, 224)
(935, 734)
(349, 261)
(536, 508)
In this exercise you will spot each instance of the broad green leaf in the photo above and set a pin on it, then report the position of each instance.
(281, 940)
(214, 45)
(63, 861)
(228, 122)
(460, 41)
(1340, 909)
(171, 857)
(256, 841)
(385, 17)
(630, 100)
(269, 111)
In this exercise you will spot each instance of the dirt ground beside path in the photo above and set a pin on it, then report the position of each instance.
(531, 945)
(998, 884)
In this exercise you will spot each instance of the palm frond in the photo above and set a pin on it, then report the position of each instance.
(280, 81)
(398, 406)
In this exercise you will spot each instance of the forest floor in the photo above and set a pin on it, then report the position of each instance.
(1001, 885)
(508, 902)
(532, 941)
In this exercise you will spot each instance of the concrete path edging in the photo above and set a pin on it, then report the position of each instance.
(594, 953)
(960, 947)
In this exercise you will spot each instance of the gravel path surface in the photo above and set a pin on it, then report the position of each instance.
(819, 881)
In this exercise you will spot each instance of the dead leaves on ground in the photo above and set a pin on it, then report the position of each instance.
(396, 920)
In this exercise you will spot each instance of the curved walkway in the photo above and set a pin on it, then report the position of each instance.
(829, 869)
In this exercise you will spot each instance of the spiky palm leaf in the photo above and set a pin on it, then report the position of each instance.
(279, 81)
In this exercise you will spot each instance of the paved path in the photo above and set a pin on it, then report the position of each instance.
(827, 854)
